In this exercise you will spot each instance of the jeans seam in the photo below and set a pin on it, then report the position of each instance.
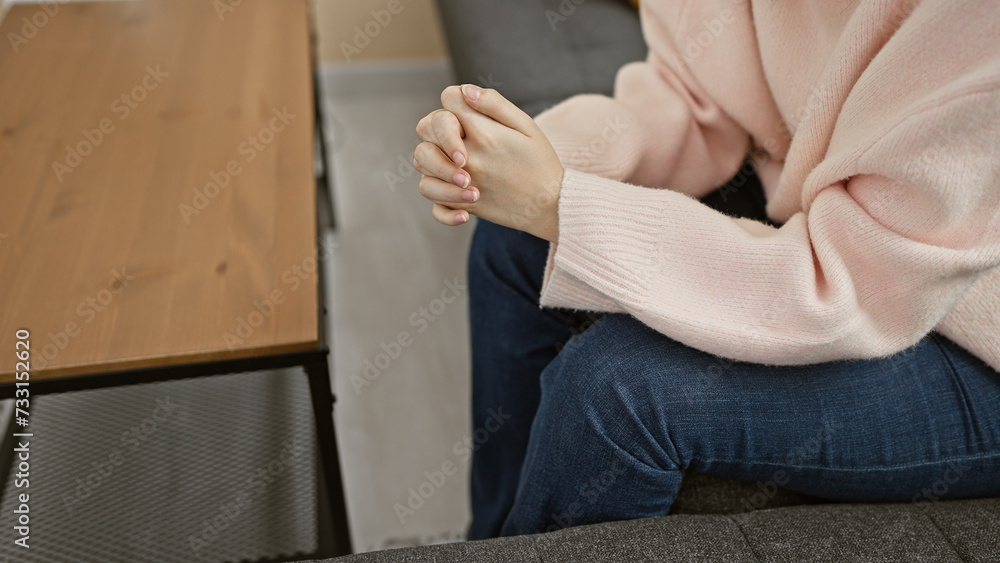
(961, 389)
(857, 470)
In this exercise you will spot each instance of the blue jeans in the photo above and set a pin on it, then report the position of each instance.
(580, 424)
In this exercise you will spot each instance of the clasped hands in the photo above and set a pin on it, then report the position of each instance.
(483, 156)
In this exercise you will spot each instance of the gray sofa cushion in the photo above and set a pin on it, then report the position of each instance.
(952, 531)
(511, 45)
(708, 494)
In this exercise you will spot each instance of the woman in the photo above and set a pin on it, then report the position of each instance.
(868, 322)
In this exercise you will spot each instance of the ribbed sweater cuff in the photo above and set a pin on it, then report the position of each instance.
(605, 254)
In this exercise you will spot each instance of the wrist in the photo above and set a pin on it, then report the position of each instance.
(547, 225)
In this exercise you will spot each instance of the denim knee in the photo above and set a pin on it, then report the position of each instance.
(498, 250)
(603, 379)
(628, 380)
(614, 354)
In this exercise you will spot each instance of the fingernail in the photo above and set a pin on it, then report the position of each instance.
(471, 91)
(458, 158)
(460, 217)
(461, 180)
(470, 196)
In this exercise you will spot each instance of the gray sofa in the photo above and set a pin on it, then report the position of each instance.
(537, 53)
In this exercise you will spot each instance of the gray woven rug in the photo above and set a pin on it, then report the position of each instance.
(208, 469)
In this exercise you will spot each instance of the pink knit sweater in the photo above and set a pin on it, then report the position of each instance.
(875, 129)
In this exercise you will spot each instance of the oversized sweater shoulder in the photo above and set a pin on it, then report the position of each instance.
(875, 129)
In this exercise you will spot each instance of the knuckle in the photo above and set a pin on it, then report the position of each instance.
(450, 93)
(448, 128)
(491, 96)
(441, 120)
(423, 152)
(489, 139)
(423, 126)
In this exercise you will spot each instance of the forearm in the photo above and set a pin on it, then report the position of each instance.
(820, 288)
(648, 134)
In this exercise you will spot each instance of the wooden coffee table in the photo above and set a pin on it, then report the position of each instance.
(158, 214)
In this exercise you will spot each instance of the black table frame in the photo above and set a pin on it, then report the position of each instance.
(314, 363)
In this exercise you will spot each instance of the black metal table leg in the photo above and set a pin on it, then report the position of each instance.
(322, 400)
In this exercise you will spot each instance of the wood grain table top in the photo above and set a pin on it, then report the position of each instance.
(157, 187)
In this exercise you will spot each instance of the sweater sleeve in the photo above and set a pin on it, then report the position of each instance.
(659, 116)
(869, 267)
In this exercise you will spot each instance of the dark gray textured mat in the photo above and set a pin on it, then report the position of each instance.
(951, 531)
(209, 469)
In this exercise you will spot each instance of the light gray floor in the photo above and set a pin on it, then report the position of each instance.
(391, 261)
